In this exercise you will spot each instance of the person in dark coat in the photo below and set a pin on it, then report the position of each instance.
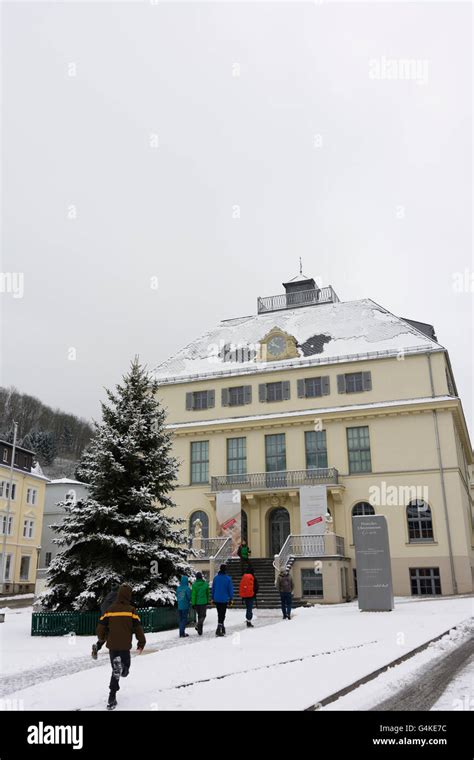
(116, 628)
(222, 594)
(285, 587)
(104, 606)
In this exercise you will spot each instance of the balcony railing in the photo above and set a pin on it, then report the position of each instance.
(296, 299)
(260, 481)
(328, 545)
(206, 547)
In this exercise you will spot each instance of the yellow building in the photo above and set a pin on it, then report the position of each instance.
(23, 522)
(314, 391)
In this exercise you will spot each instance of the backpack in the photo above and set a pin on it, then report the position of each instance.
(247, 586)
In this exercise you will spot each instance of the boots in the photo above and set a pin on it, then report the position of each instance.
(220, 630)
(249, 624)
(112, 703)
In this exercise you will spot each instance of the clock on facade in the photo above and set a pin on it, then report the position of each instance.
(276, 345)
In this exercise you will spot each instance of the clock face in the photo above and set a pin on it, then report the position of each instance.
(276, 345)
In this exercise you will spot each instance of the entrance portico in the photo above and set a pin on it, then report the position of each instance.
(271, 504)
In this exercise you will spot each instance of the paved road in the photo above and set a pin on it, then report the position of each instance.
(432, 682)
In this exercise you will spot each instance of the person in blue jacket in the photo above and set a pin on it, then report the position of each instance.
(222, 594)
(183, 597)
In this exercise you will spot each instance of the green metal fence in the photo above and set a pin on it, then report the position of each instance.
(85, 623)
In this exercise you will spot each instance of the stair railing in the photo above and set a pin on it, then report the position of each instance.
(282, 559)
(223, 554)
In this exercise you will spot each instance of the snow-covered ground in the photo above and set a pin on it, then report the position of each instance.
(277, 665)
(371, 694)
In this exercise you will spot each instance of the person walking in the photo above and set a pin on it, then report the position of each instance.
(200, 598)
(183, 597)
(222, 595)
(116, 628)
(244, 553)
(109, 599)
(248, 590)
(285, 587)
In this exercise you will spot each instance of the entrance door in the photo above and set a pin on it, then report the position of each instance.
(279, 525)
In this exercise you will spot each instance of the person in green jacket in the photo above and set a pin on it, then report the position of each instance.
(200, 598)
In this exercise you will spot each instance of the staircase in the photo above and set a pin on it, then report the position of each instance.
(267, 596)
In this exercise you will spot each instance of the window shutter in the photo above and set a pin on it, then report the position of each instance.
(211, 399)
(247, 394)
(367, 381)
(189, 401)
(341, 384)
(325, 385)
(225, 397)
(286, 390)
(262, 392)
(301, 388)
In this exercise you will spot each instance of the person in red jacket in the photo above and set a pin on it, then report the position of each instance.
(248, 590)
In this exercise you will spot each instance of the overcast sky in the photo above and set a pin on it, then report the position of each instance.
(133, 131)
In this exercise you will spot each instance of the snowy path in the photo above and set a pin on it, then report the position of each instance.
(460, 693)
(60, 664)
(419, 680)
(277, 665)
(426, 688)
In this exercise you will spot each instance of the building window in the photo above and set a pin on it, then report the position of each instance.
(363, 508)
(28, 528)
(274, 391)
(47, 559)
(237, 396)
(5, 489)
(354, 382)
(420, 523)
(200, 462)
(31, 495)
(425, 581)
(200, 400)
(358, 445)
(275, 453)
(8, 566)
(311, 583)
(316, 451)
(5, 455)
(236, 456)
(202, 516)
(6, 527)
(25, 568)
(312, 387)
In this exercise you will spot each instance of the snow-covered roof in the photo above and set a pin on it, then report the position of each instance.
(344, 331)
(67, 481)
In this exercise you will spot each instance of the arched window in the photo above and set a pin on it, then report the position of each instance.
(199, 515)
(71, 496)
(362, 508)
(420, 523)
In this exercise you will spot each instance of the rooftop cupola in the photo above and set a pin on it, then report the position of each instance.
(299, 291)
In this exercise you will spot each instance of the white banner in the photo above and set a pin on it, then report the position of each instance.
(229, 517)
(313, 509)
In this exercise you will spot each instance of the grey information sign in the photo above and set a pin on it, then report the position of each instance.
(374, 572)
